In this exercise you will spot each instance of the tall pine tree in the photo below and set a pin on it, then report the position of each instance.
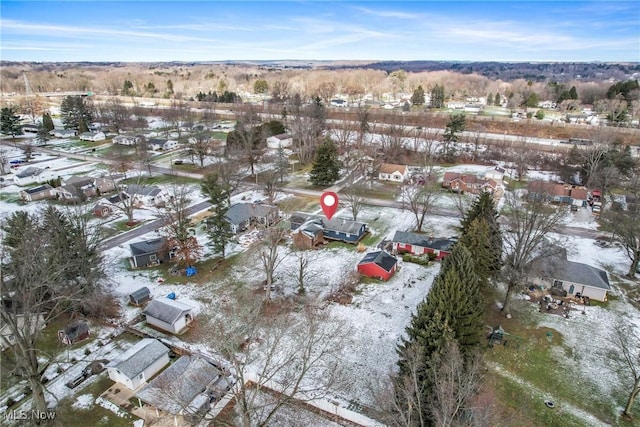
(326, 167)
(484, 208)
(217, 225)
(453, 310)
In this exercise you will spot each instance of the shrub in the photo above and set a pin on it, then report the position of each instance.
(421, 260)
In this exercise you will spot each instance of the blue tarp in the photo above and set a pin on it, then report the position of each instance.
(190, 271)
(172, 295)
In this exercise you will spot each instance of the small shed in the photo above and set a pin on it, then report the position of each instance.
(380, 265)
(168, 315)
(140, 296)
(74, 332)
(101, 210)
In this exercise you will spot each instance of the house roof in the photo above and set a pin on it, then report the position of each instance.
(381, 258)
(34, 190)
(188, 377)
(148, 246)
(241, 212)
(75, 329)
(576, 272)
(391, 168)
(30, 171)
(156, 141)
(282, 136)
(166, 310)
(139, 357)
(440, 243)
(140, 293)
(342, 225)
(117, 198)
(143, 190)
(79, 181)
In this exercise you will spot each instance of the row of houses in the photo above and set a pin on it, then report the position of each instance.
(73, 189)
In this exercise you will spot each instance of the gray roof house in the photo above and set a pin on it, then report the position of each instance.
(168, 315)
(241, 215)
(341, 229)
(41, 192)
(572, 277)
(149, 252)
(138, 364)
(185, 389)
(147, 194)
(420, 244)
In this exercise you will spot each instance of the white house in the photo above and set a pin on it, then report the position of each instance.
(93, 136)
(137, 365)
(159, 144)
(148, 195)
(63, 133)
(8, 339)
(126, 139)
(33, 175)
(168, 315)
(391, 172)
(282, 140)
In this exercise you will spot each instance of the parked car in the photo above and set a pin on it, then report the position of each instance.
(178, 162)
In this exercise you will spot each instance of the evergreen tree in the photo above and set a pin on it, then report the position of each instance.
(532, 100)
(437, 96)
(418, 96)
(490, 99)
(484, 208)
(455, 125)
(453, 310)
(573, 93)
(47, 122)
(10, 122)
(477, 240)
(326, 167)
(76, 114)
(498, 99)
(217, 226)
(43, 135)
(282, 164)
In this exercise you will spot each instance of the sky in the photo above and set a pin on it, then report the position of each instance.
(137, 31)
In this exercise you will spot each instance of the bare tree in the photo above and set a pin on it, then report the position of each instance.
(289, 359)
(456, 382)
(420, 200)
(270, 185)
(303, 271)
(229, 175)
(624, 224)
(248, 134)
(398, 397)
(125, 203)
(115, 114)
(177, 224)
(202, 146)
(48, 281)
(4, 160)
(521, 157)
(392, 140)
(625, 354)
(354, 197)
(461, 201)
(527, 223)
(270, 253)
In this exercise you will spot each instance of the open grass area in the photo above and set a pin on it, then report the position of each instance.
(161, 179)
(535, 365)
(93, 415)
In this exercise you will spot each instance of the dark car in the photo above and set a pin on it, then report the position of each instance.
(178, 162)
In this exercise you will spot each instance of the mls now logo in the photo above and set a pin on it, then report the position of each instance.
(25, 415)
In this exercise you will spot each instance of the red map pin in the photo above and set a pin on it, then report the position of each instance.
(329, 203)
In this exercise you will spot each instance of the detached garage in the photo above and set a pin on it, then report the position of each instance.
(138, 364)
(379, 265)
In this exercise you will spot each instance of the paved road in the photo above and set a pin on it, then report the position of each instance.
(118, 240)
(148, 227)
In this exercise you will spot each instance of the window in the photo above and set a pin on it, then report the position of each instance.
(557, 284)
(153, 257)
